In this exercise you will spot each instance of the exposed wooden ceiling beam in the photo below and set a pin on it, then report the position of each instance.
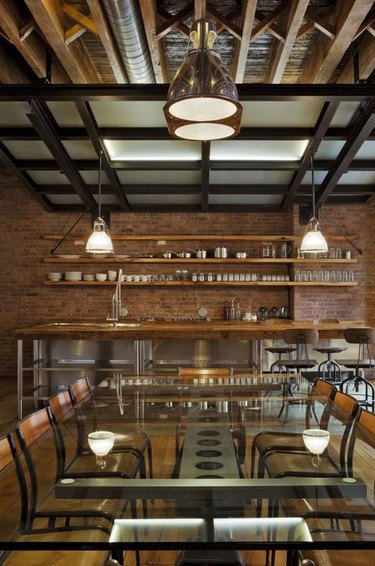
(322, 125)
(88, 119)
(84, 21)
(74, 33)
(242, 46)
(10, 72)
(327, 53)
(363, 126)
(282, 51)
(174, 21)
(225, 22)
(367, 24)
(185, 30)
(74, 57)
(30, 46)
(265, 22)
(108, 42)
(362, 62)
(321, 24)
(42, 122)
(157, 53)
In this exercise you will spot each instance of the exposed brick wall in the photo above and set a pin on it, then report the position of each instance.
(25, 300)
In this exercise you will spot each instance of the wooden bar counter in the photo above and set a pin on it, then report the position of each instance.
(196, 330)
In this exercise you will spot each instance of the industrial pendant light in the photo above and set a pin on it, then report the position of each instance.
(313, 240)
(99, 243)
(203, 99)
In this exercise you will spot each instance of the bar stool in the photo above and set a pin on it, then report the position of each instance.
(301, 338)
(362, 388)
(329, 369)
(278, 365)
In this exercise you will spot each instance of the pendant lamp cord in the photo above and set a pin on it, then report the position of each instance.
(100, 185)
(312, 182)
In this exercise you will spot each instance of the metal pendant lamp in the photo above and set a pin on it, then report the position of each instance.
(202, 101)
(99, 243)
(313, 240)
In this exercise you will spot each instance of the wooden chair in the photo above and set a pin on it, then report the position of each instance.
(83, 398)
(38, 442)
(14, 503)
(358, 515)
(267, 441)
(279, 464)
(357, 384)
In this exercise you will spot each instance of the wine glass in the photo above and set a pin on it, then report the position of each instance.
(316, 441)
(101, 443)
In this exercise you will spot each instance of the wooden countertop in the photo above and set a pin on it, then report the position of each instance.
(200, 330)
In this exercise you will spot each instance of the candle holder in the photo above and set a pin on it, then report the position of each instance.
(101, 443)
(316, 441)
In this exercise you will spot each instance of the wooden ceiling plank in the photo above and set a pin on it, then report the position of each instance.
(80, 18)
(264, 22)
(321, 24)
(282, 51)
(363, 126)
(173, 21)
(324, 120)
(242, 46)
(74, 33)
(326, 54)
(74, 57)
(90, 124)
(108, 42)
(366, 61)
(157, 53)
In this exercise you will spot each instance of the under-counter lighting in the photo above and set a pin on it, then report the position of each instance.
(99, 243)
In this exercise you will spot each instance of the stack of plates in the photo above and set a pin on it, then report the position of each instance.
(73, 275)
(88, 277)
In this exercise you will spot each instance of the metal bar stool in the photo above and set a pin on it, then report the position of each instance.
(361, 388)
(301, 338)
(329, 369)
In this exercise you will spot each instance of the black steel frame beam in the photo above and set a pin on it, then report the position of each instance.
(364, 125)
(90, 124)
(42, 122)
(322, 125)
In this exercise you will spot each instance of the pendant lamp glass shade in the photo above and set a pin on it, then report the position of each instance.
(203, 99)
(99, 243)
(313, 240)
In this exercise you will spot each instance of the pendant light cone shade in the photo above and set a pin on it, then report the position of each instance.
(203, 99)
(99, 243)
(313, 240)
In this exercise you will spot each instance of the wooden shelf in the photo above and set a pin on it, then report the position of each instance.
(188, 237)
(205, 283)
(177, 260)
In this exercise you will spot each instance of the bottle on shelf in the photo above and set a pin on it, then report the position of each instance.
(226, 310)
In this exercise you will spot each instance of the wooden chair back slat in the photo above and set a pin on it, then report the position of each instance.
(80, 390)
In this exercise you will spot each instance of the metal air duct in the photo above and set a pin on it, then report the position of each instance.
(126, 23)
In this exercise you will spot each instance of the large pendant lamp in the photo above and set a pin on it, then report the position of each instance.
(313, 240)
(99, 243)
(202, 99)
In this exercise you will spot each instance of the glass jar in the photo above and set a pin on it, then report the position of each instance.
(266, 249)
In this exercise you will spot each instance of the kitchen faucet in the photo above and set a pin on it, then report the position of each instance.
(116, 301)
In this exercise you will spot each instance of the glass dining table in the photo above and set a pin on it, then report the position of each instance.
(201, 496)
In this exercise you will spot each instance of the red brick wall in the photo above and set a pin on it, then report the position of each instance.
(25, 300)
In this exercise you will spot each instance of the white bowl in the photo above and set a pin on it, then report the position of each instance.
(101, 276)
(54, 276)
(73, 275)
(88, 277)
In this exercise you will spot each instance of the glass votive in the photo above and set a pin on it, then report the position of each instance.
(101, 443)
(316, 441)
